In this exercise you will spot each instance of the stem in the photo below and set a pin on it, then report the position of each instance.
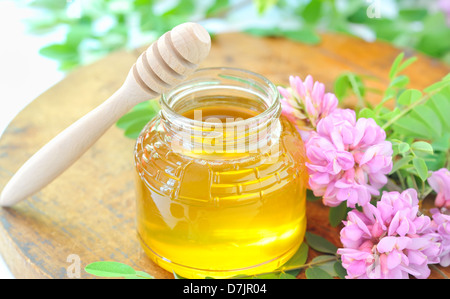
(401, 179)
(447, 159)
(439, 271)
(426, 192)
(403, 112)
(413, 179)
(361, 100)
(422, 190)
(332, 258)
(392, 186)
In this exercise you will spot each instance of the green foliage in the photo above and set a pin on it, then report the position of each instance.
(134, 121)
(337, 214)
(97, 27)
(417, 125)
(116, 270)
(320, 244)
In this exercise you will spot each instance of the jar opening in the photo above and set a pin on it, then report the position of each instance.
(222, 89)
(222, 110)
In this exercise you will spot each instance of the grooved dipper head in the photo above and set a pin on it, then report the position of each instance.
(171, 58)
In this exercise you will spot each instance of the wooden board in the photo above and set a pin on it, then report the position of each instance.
(88, 213)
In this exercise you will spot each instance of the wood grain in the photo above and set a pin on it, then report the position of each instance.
(89, 210)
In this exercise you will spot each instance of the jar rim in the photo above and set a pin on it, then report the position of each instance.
(271, 109)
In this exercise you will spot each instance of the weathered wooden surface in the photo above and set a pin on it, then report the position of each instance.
(88, 212)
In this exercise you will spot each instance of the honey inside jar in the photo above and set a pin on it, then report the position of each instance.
(203, 213)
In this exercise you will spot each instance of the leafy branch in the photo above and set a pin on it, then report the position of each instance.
(417, 126)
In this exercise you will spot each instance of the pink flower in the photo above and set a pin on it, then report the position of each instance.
(445, 6)
(441, 225)
(390, 240)
(348, 159)
(305, 102)
(440, 182)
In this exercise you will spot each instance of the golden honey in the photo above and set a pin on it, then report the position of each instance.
(220, 179)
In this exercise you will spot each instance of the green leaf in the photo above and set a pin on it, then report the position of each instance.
(421, 168)
(413, 14)
(143, 274)
(340, 271)
(435, 161)
(348, 81)
(422, 146)
(325, 262)
(140, 275)
(436, 41)
(409, 96)
(395, 65)
(442, 143)
(263, 5)
(317, 273)
(273, 275)
(407, 63)
(134, 129)
(311, 197)
(137, 115)
(182, 8)
(319, 243)
(403, 147)
(341, 84)
(298, 259)
(429, 118)
(78, 32)
(109, 269)
(59, 52)
(272, 31)
(216, 7)
(50, 4)
(400, 163)
(176, 276)
(367, 113)
(399, 82)
(337, 214)
(305, 35)
(441, 105)
(312, 12)
(410, 126)
(134, 121)
(387, 115)
(285, 275)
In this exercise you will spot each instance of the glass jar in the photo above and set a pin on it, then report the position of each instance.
(221, 178)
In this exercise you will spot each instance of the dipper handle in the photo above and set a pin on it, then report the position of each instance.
(167, 62)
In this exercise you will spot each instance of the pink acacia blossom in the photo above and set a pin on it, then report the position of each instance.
(390, 240)
(441, 226)
(305, 102)
(348, 159)
(440, 182)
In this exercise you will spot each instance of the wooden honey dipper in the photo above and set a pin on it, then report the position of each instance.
(167, 62)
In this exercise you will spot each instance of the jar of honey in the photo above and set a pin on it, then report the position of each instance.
(221, 178)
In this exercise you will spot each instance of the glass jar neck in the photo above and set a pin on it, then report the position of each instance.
(252, 129)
